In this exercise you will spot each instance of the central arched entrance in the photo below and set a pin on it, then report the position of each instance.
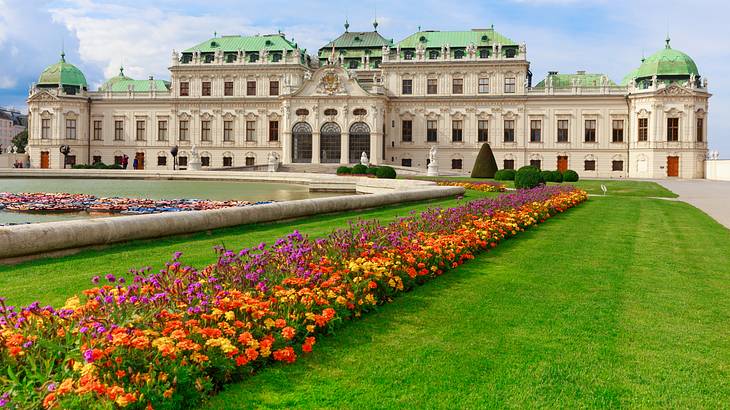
(359, 141)
(301, 147)
(330, 143)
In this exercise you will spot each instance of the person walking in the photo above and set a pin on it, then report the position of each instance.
(135, 163)
(125, 161)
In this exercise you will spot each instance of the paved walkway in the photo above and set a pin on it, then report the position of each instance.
(712, 197)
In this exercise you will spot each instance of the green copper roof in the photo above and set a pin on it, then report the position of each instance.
(437, 39)
(244, 43)
(582, 79)
(121, 84)
(667, 62)
(62, 73)
(362, 39)
(108, 85)
(630, 76)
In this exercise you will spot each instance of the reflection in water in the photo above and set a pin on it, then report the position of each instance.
(152, 189)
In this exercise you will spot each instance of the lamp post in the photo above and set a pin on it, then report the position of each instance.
(65, 149)
(173, 151)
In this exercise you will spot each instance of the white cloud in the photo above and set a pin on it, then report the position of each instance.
(7, 82)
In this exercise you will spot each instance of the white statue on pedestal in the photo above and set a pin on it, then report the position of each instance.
(194, 163)
(433, 163)
(273, 161)
(364, 159)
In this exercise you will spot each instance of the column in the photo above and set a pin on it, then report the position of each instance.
(376, 145)
(345, 147)
(315, 146)
(286, 143)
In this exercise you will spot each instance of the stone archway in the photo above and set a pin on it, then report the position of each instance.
(359, 141)
(329, 143)
(301, 143)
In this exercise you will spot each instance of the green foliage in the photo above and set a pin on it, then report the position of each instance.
(386, 172)
(359, 169)
(547, 176)
(570, 176)
(372, 171)
(505, 175)
(528, 177)
(343, 170)
(556, 176)
(97, 165)
(20, 141)
(485, 165)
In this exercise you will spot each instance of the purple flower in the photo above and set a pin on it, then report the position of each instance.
(89, 356)
(4, 399)
(52, 386)
(83, 329)
(109, 277)
(95, 280)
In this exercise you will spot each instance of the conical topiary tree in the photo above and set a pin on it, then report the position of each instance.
(485, 165)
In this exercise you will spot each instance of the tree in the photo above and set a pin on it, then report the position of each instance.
(20, 141)
(485, 165)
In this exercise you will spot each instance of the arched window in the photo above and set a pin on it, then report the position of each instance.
(330, 143)
(301, 142)
(276, 57)
(483, 53)
(459, 54)
(359, 141)
(433, 55)
(253, 57)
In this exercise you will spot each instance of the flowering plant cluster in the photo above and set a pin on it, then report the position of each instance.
(476, 186)
(165, 340)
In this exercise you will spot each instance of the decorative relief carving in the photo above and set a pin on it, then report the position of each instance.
(330, 84)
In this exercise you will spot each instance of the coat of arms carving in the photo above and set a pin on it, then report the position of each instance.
(330, 83)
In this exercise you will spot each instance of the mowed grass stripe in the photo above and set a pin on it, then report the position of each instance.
(591, 309)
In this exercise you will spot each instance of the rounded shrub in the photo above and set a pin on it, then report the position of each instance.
(386, 172)
(556, 176)
(359, 169)
(372, 171)
(570, 176)
(344, 170)
(528, 177)
(505, 175)
(547, 176)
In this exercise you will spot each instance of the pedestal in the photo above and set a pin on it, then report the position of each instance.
(194, 166)
(433, 169)
(273, 166)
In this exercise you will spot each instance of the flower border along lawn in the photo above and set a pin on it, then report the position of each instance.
(168, 339)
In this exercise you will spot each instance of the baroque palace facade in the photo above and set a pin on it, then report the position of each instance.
(237, 99)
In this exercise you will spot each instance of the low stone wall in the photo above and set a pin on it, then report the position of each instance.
(717, 169)
(43, 238)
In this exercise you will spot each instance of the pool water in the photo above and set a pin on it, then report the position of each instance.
(151, 189)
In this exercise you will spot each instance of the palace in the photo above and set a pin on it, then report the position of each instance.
(238, 99)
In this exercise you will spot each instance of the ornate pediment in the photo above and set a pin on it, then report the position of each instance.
(674, 90)
(43, 96)
(330, 81)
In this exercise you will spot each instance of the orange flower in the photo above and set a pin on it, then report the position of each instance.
(280, 323)
(168, 393)
(288, 332)
(252, 354)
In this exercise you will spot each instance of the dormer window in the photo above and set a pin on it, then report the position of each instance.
(422, 39)
(509, 53)
(253, 57)
(269, 43)
(483, 53)
(357, 38)
(485, 38)
(433, 55)
(214, 44)
(353, 64)
(231, 58)
(276, 57)
(408, 55)
(459, 54)
(208, 58)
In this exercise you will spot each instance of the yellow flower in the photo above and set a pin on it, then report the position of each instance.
(230, 316)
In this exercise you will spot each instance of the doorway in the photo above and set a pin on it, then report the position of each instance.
(672, 166)
(45, 160)
(562, 163)
(140, 160)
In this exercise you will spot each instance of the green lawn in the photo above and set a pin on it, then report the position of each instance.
(620, 187)
(621, 302)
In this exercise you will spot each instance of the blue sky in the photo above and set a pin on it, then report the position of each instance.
(565, 35)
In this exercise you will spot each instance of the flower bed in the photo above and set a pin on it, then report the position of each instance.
(476, 186)
(166, 339)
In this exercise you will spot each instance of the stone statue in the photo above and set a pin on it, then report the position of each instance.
(523, 49)
(194, 152)
(433, 155)
(364, 159)
(433, 163)
(273, 161)
(704, 83)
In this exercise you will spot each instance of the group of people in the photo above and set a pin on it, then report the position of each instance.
(125, 162)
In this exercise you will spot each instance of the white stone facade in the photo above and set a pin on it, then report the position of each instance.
(296, 110)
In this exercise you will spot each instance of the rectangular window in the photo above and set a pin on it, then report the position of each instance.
(590, 131)
(617, 165)
(456, 164)
(509, 130)
(509, 164)
(227, 131)
(71, 129)
(250, 161)
(700, 129)
(228, 88)
(251, 88)
(509, 85)
(457, 86)
(251, 131)
(227, 161)
(562, 130)
(273, 88)
(407, 131)
(431, 131)
(535, 130)
(589, 165)
(484, 86)
(45, 129)
(483, 131)
(407, 87)
(432, 86)
(206, 89)
(161, 161)
(162, 130)
(618, 131)
(118, 130)
(96, 159)
(97, 130)
(182, 161)
(205, 131)
(184, 130)
(535, 163)
(140, 130)
(672, 129)
(406, 162)
(456, 131)
(184, 89)
(643, 129)
(273, 130)
(204, 161)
